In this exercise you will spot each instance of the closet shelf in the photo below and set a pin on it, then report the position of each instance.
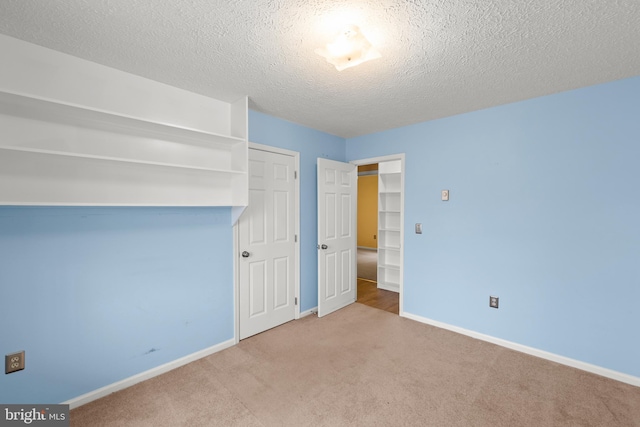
(391, 284)
(390, 225)
(32, 107)
(387, 247)
(389, 267)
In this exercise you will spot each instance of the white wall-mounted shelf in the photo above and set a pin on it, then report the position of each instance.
(92, 135)
(116, 159)
(43, 109)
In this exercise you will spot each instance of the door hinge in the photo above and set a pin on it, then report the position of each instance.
(295, 174)
(296, 300)
(295, 238)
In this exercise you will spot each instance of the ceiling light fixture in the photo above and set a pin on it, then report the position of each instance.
(348, 49)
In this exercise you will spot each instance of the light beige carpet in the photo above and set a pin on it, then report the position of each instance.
(366, 367)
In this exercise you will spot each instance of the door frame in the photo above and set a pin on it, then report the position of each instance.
(401, 157)
(236, 240)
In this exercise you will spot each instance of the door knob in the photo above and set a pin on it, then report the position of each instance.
(324, 246)
(245, 254)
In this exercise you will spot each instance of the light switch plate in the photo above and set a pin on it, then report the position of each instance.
(418, 228)
(445, 195)
(494, 302)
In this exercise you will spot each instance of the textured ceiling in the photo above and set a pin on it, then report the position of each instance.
(440, 57)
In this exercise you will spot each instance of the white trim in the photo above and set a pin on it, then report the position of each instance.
(372, 160)
(309, 312)
(143, 376)
(270, 149)
(594, 369)
(236, 278)
(401, 157)
(296, 157)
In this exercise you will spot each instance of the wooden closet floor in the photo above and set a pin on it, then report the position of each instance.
(369, 294)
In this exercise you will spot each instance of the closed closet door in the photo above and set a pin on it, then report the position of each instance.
(267, 244)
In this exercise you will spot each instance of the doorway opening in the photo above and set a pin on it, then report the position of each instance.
(380, 234)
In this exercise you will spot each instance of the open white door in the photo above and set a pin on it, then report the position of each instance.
(267, 244)
(337, 204)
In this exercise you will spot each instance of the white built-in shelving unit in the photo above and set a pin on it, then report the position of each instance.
(92, 135)
(389, 224)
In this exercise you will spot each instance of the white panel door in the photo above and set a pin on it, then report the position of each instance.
(337, 203)
(267, 244)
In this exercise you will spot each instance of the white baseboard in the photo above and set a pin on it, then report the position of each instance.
(368, 248)
(594, 369)
(143, 376)
(309, 312)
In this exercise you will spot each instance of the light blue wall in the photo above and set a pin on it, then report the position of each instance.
(544, 213)
(311, 144)
(96, 295)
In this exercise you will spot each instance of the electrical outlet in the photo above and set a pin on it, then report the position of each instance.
(493, 302)
(14, 362)
(445, 195)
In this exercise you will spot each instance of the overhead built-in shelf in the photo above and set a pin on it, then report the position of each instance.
(44, 179)
(56, 153)
(123, 160)
(43, 109)
(82, 134)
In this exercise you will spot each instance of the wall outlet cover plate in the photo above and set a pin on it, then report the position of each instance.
(14, 362)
